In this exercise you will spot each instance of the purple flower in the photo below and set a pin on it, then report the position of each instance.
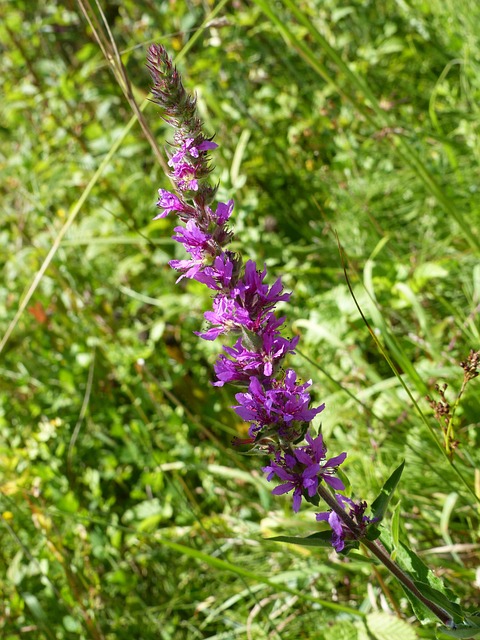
(340, 531)
(190, 268)
(226, 316)
(170, 202)
(274, 350)
(187, 146)
(206, 145)
(303, 469)
(234, 370)
(185, 176)
(300, 482)
(257, 297)
(219, 275)
(216, 276)
(221, 235)
(256, 405)
(223, 212)
(194, 239)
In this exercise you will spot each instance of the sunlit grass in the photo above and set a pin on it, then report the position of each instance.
(125, 510)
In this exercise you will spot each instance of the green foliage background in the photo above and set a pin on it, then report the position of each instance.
(125, 511)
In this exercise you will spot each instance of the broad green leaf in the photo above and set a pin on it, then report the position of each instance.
(441, 599)
(383, 626)
(345, 630)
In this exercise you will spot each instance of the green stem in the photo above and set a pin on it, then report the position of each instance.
(450, 432)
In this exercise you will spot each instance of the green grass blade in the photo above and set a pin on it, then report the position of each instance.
(222, 565)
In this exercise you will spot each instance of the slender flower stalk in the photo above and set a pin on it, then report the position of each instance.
(272, 400)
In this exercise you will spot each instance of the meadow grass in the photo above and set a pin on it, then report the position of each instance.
(349, 139)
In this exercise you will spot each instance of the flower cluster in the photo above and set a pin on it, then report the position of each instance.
(274, 402)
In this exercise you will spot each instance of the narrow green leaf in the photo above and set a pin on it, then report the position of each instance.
(35, 607)
(320, 539)
(395, 529)
(380, 504)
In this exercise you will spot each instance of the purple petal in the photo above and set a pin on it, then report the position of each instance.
(207, 145)
(334, 482)
(335, 522)
(297, 501)
(311, 471)
(336, 461)
(283, 488)
(322, 516)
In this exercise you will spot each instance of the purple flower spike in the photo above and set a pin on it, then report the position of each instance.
(188, 160)
(275, 404)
